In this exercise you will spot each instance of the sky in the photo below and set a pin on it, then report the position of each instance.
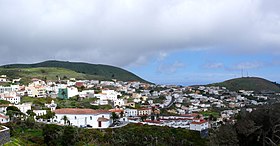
(182, 42)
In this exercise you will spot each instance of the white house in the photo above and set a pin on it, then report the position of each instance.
(144, 111)
(100, 102)
(83, 117)
(40, 112)
(5, 89)
(72, 91)
(11, 97)
(4, 119)
(52, 105)
(198, 125)
(86, 93)
(118, 102)
(3, 107)
(131, 112)
(3, 78)
(111, 94)
(24, 107)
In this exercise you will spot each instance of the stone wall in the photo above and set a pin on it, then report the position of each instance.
(4, 135)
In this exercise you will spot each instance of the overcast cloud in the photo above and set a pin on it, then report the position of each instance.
(130, 32)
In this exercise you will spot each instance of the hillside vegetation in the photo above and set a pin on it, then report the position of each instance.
(249, 83)
(30, 133)
(80, 70)
(45, 73)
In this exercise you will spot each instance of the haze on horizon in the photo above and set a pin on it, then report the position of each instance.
(169, 42)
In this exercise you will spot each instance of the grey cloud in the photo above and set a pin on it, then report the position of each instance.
(123, 33)
(170, 68)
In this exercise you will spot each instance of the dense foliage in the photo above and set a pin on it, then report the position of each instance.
(261, 127)
(31, 133)
(74, 102)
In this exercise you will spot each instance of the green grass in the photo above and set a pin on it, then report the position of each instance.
(14, 142)
(98, 71)
(250, 84)
(24, 136)
(48, 73)
(208, 113)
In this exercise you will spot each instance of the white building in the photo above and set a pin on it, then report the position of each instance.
(83, 117)
(100, 102)
(3, 108)
(144, 112)
(11, 97)
(24, 107)
(111, 94)
(72, 91)
(40, 112)
(131, 112)
(5, 89)
(3, 78)
(52, 105)
(198, 125)
(86, 93)
(118, 102)
(4, 119)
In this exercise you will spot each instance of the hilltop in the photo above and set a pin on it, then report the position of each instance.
(79, 70)
(249, 83)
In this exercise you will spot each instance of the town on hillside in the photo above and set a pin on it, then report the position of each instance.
(113, 104)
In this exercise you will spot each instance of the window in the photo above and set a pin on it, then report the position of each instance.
(75, 118)
(90, 117)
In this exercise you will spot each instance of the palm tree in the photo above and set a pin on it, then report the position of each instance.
(65, 119)
(114, 116)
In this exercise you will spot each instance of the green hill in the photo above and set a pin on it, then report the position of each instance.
(80, 70)
(249, 83)
(48, 73)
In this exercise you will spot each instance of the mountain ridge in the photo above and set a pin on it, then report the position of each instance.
(255, 84)
(105, 71)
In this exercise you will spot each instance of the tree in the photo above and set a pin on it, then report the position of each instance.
(121, 114)
(226, 135)
(69, 136)
(152, 117)
(65, 119)
(157, 117)
(114, 116)
(51, 134)
(143, 118)
(13, 112)
(31, 113)
(49, 115)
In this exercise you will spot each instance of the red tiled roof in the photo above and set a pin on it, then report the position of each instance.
(9, 97)
(150, 121)
(174, 119)
(79, 84)
(200, 122)
(80, 111)
(3, 116)
(116, 110)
